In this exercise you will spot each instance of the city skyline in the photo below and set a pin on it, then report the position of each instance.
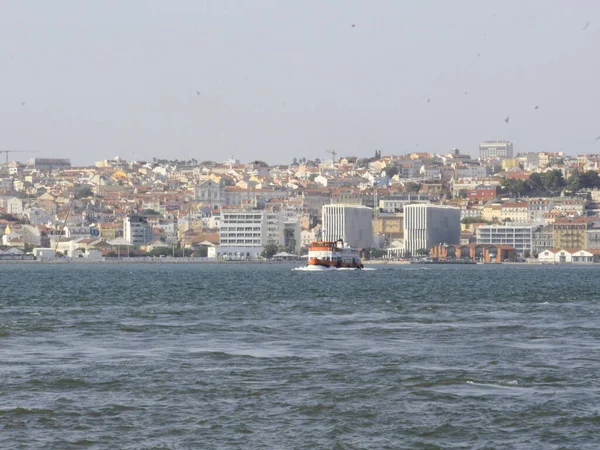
(261, 80)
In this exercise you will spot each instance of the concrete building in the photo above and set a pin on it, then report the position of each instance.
(495, 149)
(136, 230)
(519, 237)
(244, 233)
(571, 232)
(351, 223)
(429, 225)
(49, 163)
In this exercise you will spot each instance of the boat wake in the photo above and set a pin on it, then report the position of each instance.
(328, 269)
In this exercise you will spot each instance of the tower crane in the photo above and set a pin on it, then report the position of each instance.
(333, 153)
(16, 151)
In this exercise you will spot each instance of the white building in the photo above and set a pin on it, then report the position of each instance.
(429, 225)
(520, 237)
(246, 232)
(351, 223)
(136, 230)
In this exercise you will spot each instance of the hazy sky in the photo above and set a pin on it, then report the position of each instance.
(274, 79)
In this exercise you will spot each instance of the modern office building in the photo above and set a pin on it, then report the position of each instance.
(351, 223)
(495, 149)
(519, 237)
(429, 225)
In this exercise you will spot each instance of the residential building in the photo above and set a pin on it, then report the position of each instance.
(571, 232)
(483, 193)
(429, 225)
(136, 230)
(514, 212)
(543, 239)
(519, 237)
(495, 149)
(351, 223)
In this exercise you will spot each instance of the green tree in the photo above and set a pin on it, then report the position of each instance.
(391, 171)
(269, 251)
(553, 181)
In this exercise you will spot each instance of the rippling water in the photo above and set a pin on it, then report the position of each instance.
(261, 356)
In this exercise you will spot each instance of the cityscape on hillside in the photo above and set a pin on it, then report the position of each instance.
(501, 206)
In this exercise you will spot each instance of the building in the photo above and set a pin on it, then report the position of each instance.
(571, 232)
(495, 149)
(136, 230)
(429, 225)
(49, 163)
(543, 239)
(483, 193)
(351, 223)
(245, 233)
(519, 237)
(475, 252)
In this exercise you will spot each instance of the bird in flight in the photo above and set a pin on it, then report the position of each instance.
(597, 139)
(507, 119)
(537, 107)
(428, 100)
(197, 92)
(586, 26)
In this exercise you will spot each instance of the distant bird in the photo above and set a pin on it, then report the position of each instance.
(22, 103)
(586, 26)
(353, 25)
(428, 100)
(466, 92)
(507, 119)
(197, 92)
(537, 107)
(597, 139)
(478, 55)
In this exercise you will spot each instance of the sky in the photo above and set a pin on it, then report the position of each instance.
(276, 79)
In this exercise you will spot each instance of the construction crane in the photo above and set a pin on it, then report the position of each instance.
(333, 153)
(16, 151)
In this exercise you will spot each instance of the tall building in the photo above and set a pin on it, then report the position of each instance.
(495, 149)
(429, 225)
(351, 223)
(136, 230)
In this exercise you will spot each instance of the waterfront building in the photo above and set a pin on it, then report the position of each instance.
(518, 236)
(495, 149)
(571, 232)
(543, 239)
(429, 225)
(351, 223)
(136, 230)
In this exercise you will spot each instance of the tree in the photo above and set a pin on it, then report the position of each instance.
(462, 193)
(269, 251)
(391, 171)
(83, 192)
(553, 181)
(413, 188)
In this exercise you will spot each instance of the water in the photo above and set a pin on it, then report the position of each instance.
(138, 356)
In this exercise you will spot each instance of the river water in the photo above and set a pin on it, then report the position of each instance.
(136, 356)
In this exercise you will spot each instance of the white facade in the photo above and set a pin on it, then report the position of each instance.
(136, 230)
(429, 225)
(351, 223)
(520, 237)
(242, 228)
(256, 228)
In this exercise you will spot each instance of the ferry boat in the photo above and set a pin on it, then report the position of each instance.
(333, 255)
